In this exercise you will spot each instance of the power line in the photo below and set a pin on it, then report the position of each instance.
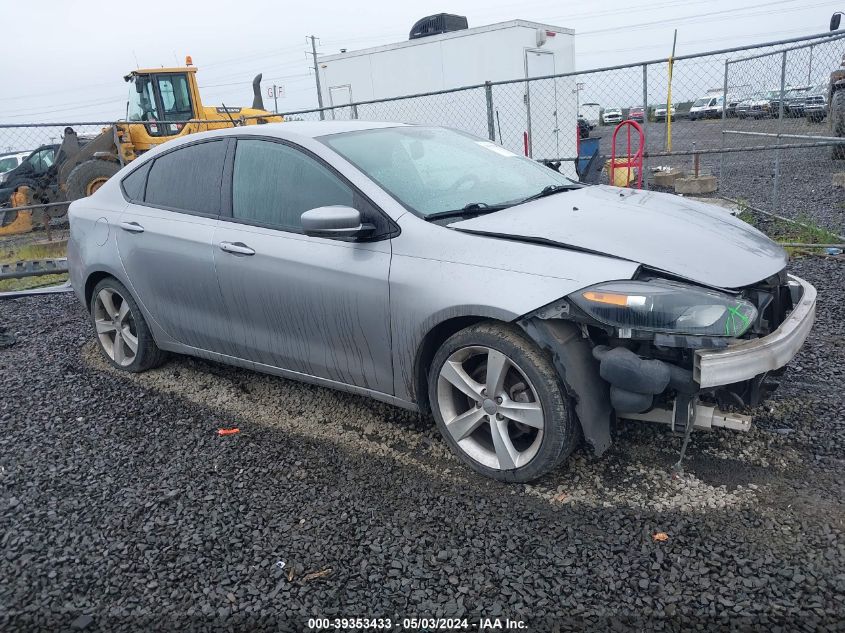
(698, 16)
(656, 45)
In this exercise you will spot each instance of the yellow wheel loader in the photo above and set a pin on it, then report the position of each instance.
(164, 103)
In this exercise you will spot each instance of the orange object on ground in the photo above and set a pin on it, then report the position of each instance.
(661, 536)
(227, 431)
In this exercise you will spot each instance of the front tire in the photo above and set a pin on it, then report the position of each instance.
(500, 405)
(122, 332)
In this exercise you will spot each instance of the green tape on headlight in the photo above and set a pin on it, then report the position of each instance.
(665, 306)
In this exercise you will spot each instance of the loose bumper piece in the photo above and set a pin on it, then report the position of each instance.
(748, 359)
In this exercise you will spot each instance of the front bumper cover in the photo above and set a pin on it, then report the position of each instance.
(747, 359)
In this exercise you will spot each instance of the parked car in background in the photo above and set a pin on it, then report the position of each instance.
(703, 107)
(733, 104)
(436, 271)
(612, 116)
(661, 110)
(774, 98)
(794, 100)
(36, 170)
(815, 103)
(754, 107)
(10, 160)
(636, 113)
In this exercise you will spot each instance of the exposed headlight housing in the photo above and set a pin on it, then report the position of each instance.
(665, 306)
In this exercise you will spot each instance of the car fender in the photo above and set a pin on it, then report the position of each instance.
(438, 274)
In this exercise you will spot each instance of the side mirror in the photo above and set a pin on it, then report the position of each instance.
(834, 21)
(334, 221)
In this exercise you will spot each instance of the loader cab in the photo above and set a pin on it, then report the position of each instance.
(163, 99)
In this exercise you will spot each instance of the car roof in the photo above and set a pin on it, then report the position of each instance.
(294, 130)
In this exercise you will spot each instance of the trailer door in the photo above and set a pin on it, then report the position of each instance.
(541, 105)
(340, 96)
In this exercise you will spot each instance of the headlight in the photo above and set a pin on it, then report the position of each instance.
(664, 306)
(3, 177)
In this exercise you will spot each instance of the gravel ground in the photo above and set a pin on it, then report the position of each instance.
(121, 508)
(806, 188)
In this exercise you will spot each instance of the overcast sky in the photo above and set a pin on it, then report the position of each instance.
(64, 61)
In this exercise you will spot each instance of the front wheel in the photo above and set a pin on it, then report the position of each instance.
(500, 405)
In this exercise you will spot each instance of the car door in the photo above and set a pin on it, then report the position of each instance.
(310, 305)
(164, 238)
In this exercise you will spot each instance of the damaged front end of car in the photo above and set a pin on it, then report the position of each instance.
(666, 350)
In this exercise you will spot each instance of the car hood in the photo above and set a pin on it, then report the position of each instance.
(685, 238)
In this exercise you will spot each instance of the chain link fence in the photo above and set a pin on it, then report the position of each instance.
(755, 117)
(724, 119)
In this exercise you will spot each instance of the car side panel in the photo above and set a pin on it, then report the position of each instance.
(308, 305)
(439, 273)
(91, 245)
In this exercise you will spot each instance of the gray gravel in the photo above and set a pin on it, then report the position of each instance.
(806, 188)
(122, 509)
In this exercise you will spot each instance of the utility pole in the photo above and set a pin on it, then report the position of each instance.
(275, 99)
(317, 75)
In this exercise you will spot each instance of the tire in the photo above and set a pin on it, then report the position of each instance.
(481, 431)
(110, 319)
(87, 177)
(837, 122)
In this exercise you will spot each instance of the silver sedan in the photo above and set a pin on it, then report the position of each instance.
(439, 272)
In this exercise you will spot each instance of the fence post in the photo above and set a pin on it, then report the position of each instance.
(354, 110)
(645, 126)
(724, 122)
(491, 126)
(776, 187)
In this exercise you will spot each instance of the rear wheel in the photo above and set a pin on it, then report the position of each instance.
(89, 176)
(499, 403)
(122, 333)
(837, 121)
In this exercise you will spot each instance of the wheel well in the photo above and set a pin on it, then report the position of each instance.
(428, 348)
(91, 282)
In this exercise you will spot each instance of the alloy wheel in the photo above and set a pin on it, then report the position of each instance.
(115, 326)
(490, 408)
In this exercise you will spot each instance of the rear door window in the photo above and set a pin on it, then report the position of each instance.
(188, 179)
(135, 183)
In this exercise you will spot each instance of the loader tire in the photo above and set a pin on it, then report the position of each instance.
(89, 176)
(837, 121)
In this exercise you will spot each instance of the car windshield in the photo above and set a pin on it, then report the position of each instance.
(701, 102)
(435, 170)
(7, 163)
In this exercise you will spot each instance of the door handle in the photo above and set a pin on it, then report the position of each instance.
(132, 227)
(236, 248)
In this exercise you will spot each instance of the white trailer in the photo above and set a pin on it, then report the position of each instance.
(544, 112)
